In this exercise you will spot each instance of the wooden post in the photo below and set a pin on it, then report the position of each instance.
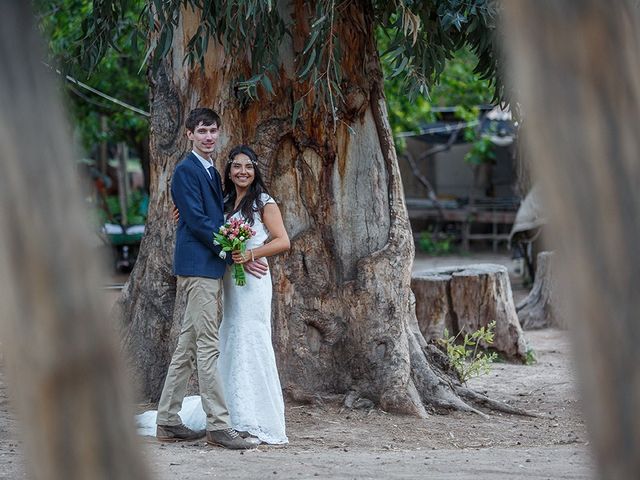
(103, 156)
(123, 183)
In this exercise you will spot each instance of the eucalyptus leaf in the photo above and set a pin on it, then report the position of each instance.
(266, 82)
(310, 61)
(400, 68)
(312, 39)
(318, 21)
(296, 111)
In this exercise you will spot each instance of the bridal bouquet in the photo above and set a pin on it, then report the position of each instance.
(232, 236)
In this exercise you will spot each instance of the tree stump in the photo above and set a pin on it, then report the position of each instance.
(464, 299)
(433, 309)
(541, 309)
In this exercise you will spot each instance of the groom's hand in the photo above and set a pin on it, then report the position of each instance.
(257, 268)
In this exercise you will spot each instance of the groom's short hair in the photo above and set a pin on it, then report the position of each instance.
(206, 116)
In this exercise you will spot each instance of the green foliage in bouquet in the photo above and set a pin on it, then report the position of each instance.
(233, 237)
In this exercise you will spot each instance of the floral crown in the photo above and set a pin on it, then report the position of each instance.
(252, 161)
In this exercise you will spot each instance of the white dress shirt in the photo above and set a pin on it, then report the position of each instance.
(205, 163)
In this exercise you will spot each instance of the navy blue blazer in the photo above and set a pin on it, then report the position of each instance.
(199, 201)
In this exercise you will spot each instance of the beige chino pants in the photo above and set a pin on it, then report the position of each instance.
(198, 340)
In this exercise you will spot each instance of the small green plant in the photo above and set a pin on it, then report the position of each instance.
(465, 356)
(531, 357)
(435, 244)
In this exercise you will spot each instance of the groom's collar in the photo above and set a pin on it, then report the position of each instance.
(205, 163)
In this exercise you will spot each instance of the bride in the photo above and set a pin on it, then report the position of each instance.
(247, 362)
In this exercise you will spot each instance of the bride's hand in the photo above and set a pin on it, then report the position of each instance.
(240, 257)
(175, 214)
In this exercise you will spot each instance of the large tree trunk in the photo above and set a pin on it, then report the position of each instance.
(343, 316)
(64, 373)
(577, 64)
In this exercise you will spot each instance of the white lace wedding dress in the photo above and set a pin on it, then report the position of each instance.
(247, 363)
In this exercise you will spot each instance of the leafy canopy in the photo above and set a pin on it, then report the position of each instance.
(422, 36)
(458, 85)
(113, 68)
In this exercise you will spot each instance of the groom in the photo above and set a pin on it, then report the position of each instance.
(197, 192)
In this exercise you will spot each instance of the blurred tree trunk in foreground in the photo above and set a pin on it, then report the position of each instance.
(62, 360)
(577, 67)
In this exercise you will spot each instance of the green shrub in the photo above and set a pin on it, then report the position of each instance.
(136, 208)
(436, 244)
(465, 356)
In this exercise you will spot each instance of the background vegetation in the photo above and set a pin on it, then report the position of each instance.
(118, 68)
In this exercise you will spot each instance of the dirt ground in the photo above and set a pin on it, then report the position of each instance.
(327, 441)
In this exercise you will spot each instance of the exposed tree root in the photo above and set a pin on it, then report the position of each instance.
(480, 399)
(439, 385)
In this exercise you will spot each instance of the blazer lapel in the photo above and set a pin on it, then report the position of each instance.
(211, 179)
(215, 183)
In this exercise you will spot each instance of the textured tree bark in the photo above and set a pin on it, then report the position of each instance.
(434, 312)
(582, 58)
(541, 308)
(343, 318)
(464, 300)
(482, 294)
(148, 301)
(64, 373)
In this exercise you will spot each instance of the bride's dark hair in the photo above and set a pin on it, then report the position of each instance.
(255, 191)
